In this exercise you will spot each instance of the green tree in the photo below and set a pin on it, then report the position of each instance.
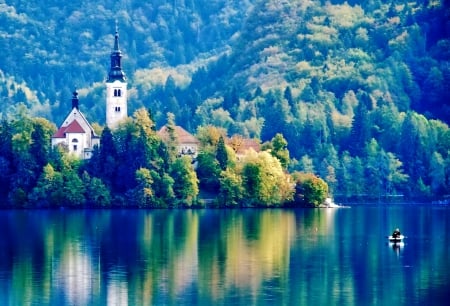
(105, 165)
(6, 158)
(40, 141)
(231, 191)
(276, 113)
(305, 164)
(412, 146)
(185, 179)
(138, 146)
(437, 175)
(209, 137)
(264, 180)
(360, 132)
(171, 141)
(143, 195)
(222, 154)
(278, 148)
(48, 191)
(395, 177)
(73, 190)
(350, 177)
(310, 190)
(97, 193)
(383, 171)
(208, 171)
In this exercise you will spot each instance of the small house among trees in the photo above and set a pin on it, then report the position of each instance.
(185, 142)
(241, 145)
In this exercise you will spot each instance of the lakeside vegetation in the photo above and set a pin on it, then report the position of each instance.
(133, 167)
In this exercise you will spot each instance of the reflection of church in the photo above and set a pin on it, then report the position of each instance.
(75, 134)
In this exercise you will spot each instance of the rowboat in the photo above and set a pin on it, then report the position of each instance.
(397, 239)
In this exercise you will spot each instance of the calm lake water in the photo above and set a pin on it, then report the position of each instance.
(225, 257)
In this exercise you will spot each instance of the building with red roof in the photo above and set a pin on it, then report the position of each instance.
(76, 134)
(187, 144)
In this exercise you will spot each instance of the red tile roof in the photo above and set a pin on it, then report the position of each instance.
(73, 127)
(240, 145)
(182, 135)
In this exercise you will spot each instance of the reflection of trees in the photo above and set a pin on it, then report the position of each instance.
(212, 256)
(247, 250)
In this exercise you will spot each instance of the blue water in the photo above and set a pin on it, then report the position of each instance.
(225, 257)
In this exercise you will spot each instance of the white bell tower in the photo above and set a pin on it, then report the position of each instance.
(116, 88)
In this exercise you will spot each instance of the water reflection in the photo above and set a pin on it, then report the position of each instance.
(251, 257)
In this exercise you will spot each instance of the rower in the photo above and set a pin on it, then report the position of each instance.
(396, 233)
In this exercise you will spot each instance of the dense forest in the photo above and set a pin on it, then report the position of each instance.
(359, 90)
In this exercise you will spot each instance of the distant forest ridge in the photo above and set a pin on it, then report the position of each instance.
(400, 48)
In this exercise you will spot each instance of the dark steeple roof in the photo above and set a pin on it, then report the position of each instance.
(115, 71)
(75, 100)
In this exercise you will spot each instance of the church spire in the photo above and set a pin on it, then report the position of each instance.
(116, 39)
(75, 99)
(115, 71)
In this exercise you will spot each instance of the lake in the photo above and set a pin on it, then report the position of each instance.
(225, 257)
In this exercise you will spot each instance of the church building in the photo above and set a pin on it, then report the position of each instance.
(75, 133)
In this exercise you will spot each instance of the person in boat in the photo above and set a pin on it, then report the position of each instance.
(396, 233)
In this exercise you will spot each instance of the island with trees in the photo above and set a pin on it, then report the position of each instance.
(135, 168)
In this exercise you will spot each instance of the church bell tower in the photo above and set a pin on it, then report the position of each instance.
(116, 88)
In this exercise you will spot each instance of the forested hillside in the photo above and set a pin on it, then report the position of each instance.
(359, 89)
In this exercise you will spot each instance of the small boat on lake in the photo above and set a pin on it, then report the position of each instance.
(397, 239)
(396, 236)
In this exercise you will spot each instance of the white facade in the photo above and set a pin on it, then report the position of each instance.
(116, 88)
(76, 135)
(116, 103)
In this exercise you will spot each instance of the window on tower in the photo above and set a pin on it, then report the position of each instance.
(117, 109)
(117, 92)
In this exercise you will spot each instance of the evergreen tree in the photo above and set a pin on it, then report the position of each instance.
(6, 158)
(172, 140)
(360, 132)
(437, 174)
(97, 193)
(107, 158)
(39, 147)
(279, 149)
(222, 154)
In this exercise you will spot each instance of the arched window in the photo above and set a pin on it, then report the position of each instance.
(117, 92)
(75, 140)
